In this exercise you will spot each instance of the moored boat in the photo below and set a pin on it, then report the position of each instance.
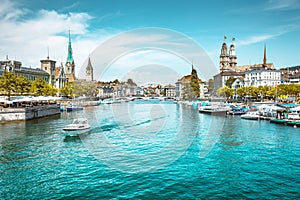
(251, 116)
(74, 107)
(278, 121)
(213, 110)
(293, 123)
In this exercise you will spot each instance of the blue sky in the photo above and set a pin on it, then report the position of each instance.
(33, 26)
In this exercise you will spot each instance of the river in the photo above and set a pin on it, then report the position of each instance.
(149, 150)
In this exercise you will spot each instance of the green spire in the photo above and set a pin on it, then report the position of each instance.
(70, 52)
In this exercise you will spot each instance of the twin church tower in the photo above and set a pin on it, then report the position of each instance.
(60, 75)
(228, 60)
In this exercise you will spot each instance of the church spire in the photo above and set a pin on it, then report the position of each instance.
(265, 56)
(89, 71)
(70, 52)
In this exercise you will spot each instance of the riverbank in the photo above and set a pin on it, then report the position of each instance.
(26, 113)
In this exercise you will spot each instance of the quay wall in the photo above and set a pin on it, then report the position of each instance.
(27, 113)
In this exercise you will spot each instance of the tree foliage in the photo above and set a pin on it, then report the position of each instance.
(8, 83)
(41, 88)
(195, 85)
(230, 81)
(225, 92)
(22, 85)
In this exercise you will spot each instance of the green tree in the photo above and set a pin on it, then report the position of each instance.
(210, 85)
(41, 88)
(187, 92)
(195, 85)
(252, 91)
(78, 89)
(131, 82)
(90, 90)
(225, 92)
(67, 90)
(22, 85)
(8, 83)
(262, 91)
(241, 92)
(229, 81)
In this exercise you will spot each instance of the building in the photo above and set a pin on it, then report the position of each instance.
(290, 75)
(229, 68)
(237, 83)
(16, 67)
(89, 71)
(262, 77)
(49, 66)
(169, 90)
(184, 84)
(228, 60)
(60, 76)
(70, 64)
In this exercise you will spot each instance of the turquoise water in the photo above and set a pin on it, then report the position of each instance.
(149, 151)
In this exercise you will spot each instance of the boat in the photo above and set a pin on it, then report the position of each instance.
(251, 116)
(278, 121)
(293, 116)
(293, 123)
(78, 126)
(213, 110)
(74, 107)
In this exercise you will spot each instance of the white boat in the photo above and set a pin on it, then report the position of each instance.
(216, 110)
(251, 116)
(79, 125)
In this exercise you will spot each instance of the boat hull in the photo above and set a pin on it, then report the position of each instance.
(294, 124)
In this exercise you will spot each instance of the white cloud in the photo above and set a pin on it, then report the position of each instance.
(27, 39)
(255, 39)
(282, 5)
(129, 50)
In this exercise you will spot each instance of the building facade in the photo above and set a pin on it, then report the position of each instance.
(169, 90)
(262, 77)
(29, 73)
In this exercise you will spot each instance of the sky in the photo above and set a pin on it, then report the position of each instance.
(132, 38)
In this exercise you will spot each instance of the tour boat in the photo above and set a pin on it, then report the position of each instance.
(251, 116)
(79, 125)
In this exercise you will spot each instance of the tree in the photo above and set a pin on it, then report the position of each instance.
(229, 81)
(225, 92)
(131, 82)
(8, 83)
(116, 81)
(195, 85)
(262, 91)
(210, 85)
(187, 92)
(41, 88)
(90, 90)
(22, 85)
(241, 91)
(67, 90)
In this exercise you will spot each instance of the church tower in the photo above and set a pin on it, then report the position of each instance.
(89, 71)
(232, 55)
(49, 66)
(70, 64)
(265, 57)
(224, 58)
